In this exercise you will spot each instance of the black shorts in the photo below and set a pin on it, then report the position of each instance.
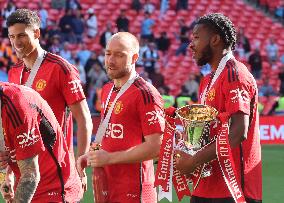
(195, 199)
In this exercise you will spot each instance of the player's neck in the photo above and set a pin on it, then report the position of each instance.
(217, 59)
(118, 83)
(31, 58)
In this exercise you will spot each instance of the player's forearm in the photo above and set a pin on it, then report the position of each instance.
(237, 133)
(84, 133)
(30, 177)
(26, 187)
(142, 152)
(83, 118)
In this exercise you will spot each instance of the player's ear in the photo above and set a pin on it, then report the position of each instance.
(215, 40)
(37, 33)
(135, 58)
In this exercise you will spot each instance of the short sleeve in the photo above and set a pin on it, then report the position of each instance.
(71, 85)
(238, 95)
(151, 113)
(27, 138)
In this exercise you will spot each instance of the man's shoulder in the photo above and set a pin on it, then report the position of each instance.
(149, 93)
(17, 65)
(59, 62)
(236, 71)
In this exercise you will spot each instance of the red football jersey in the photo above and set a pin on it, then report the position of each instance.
(23, 111)
(235, 90)
(137, 113)
(57, 81)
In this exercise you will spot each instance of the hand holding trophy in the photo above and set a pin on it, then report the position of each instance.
(196, 120)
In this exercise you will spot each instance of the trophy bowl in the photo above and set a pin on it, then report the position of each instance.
(196, 120)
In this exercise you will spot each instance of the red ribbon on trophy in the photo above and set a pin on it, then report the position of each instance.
(163, 172)
(166, 152)
(180, 184)
(226, 161)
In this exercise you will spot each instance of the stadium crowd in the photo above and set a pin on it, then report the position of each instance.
(76, 37)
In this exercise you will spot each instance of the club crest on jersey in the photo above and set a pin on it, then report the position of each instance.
(211, 94)
(40, 85)
(28, 139)
(118, 107)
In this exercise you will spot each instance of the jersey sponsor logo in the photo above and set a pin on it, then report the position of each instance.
(75, 86)
(115, 131)
(154, 117)
(40, 85)
(28, 139)
(118, 107)
(239, 95)
(211, 94)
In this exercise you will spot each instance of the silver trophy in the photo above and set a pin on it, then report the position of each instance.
(196, 120)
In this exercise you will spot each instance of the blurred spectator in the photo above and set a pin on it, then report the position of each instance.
(158, 80)
(193, 23)
(182, 4)
(73, 5)
(163, 8)
(96, 78)
(148, 7)
(136, 5)
(279, 11)
(65, 52)
(7, 56)
(10, 8)
(255, 62)
(3, 74)
(145, 76)
(106, 35)
(190, 88)
(272, 50)
(150, 57)
(266, 90)
(281, 77)
(58, 4)
(73, 57)
(163, 42)
(205, 70)
(142, 48)
(92, 23)
(92, 60)
(43, 14)
(65, 25)
(83, 53)
(78, 26)
(183, 37)
(282, 59)
(55, 45)
(243, 44)
(82, 73)
(122, 22)
(146, 27)
(101, 56)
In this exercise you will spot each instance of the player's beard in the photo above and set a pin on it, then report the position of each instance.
(117, 74)
(27, 50)
(206, 56)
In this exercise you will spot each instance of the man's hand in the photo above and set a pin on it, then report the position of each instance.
(4, 158)
(184, 162)
(7, 188)
(81, 164)
(98, 158)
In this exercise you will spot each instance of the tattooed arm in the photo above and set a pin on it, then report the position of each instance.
(29, 179)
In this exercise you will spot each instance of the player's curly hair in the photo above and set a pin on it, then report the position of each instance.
(221, 25)
(24, 16)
